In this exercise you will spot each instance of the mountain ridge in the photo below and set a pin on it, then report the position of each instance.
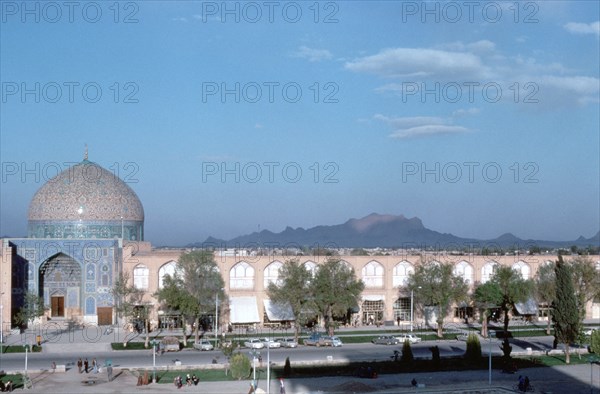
(381, 230)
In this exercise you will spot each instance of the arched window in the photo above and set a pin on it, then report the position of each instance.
(241, 276)
(522, 268)
(271, 274)
(167, 269)
(372, 274)
(401, 272)
(487, 271)
(465, 271)
(140, 277)
(347, 264)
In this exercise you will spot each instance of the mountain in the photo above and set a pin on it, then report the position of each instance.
(386, 231)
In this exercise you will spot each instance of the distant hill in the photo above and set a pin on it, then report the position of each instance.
(386, 231)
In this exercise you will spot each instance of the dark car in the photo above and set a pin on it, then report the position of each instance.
(385, 340)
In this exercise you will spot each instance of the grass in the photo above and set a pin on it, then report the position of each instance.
(17, 380)
(381, 367)
(19, 349)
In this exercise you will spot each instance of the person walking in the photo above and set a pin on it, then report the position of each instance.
(86, 365)
(79, 364)
(281, 386)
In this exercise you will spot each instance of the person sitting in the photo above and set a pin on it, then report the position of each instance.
(521, 383)
(9, 386)
(526, 384)
(414, 382)
(2, 387)
(188, 380)
(195, 379)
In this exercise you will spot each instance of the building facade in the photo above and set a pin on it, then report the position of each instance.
(86, 226)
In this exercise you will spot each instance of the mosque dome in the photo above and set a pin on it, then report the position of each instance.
(86, 201)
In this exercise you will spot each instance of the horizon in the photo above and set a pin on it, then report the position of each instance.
(479, 118)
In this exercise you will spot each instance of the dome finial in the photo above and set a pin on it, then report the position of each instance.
(85, 154)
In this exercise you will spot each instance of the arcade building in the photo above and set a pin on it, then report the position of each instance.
(85, 226)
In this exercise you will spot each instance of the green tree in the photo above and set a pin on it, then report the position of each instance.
(293, 289)
(565, 313)
(129, 304)
(486, 297)
(193, 289)
(595, 342)
(407, 353)
(335, 290)
(545, 287)
(33, 307)
(514, 289)
(473, 352)
(434, 284)
(240, 366)
(586, 282)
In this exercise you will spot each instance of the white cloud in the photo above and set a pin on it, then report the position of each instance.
(419, 126)
(421, 63)
(583, 28)
(427, 130)
(312, 54)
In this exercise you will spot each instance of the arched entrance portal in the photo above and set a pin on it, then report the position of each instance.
(60, 282)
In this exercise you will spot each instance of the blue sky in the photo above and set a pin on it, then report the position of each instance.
(480, 118)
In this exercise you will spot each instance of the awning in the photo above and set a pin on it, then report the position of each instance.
(528, 307)
(243, 310)
(373, 297)
(278, 312)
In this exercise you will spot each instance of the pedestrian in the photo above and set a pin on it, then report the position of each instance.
(94, 366)
(79, 364)
(86, 365)
(414, 382)
(281, 386)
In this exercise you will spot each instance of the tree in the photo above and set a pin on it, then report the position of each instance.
(486, 297)
(565, 313)
(514, 289)
(335, 290)
(33, 307)
(293, 289)
(473, 352)
(193, 289)
(129, 303)
(434, 284)
(545, 287)
(586, 282)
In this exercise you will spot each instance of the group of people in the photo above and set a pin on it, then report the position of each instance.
(189, 380)
(84, 366)
(8, 386)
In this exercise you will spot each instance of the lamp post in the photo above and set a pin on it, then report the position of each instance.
(217, 316)
(26, 354)
(268, 368)
(592, 360)
(412, 297)
(1, 322)
(154, 360)
(254, 353)
(490, 360)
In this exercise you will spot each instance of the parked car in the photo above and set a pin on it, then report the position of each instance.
(254, 343)
(589, 331)
(330, 341)
(287, 342)
(268, 342)
(408, 337)
(203, 344)
(313, 340)
(385, 340)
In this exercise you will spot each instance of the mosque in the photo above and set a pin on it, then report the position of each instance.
(86, 225)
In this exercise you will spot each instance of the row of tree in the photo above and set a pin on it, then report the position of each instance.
(566, 287)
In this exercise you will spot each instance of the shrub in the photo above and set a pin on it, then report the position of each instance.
(473, 352)
(595, 342)
(287, 368)
(435, 356)
(407, 354)
(240, 366)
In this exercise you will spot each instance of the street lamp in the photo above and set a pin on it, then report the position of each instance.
(1, 323)
(254, 353)
(26, 378)
(412, 307)
(154, 343)
(592, 360)
(217, 316)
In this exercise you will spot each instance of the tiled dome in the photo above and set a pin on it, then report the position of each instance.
(86, 201)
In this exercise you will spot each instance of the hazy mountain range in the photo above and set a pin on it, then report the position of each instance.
(386, 231)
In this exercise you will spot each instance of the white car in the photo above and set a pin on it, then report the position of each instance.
(268, 342)
(254, 343)
(409, 337)
(204, 344)
(331, 341)
(589, 331)
(287, 342)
